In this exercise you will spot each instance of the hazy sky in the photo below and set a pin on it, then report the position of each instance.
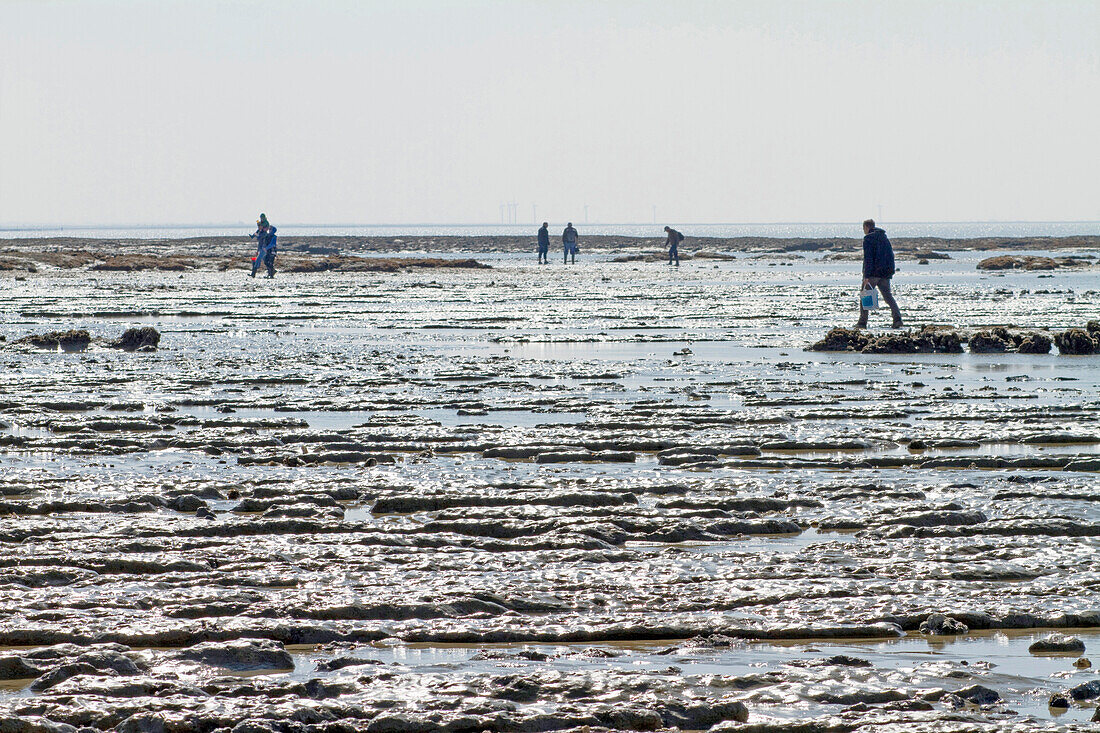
(437, 111)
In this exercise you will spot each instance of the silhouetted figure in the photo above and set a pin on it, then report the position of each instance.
(569, 241)
(673, 241)
(878, 268)
(265, 247)
(544, 244)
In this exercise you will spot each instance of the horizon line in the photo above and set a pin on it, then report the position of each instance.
(62, 226)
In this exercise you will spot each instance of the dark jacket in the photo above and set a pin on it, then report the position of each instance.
(569, 236)
(878, 255)
(544, 237)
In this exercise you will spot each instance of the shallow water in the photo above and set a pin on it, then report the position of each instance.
(613, 455)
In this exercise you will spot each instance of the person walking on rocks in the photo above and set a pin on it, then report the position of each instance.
(878, 268)
(569, 240)
(265, 248)
(673, 243)
(544, 244)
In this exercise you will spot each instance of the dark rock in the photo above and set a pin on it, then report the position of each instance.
(58, 675)
(702, 716)
(991, 341)
(133, 339)
(978, 695)
(1083, 663)
(1003, 262)
(14, 668)
(564, 457)
(843, 660)
(400, 724)
(943, 341)
(332, 665)
(1027, 262)
(516, 689)
(240, 655)
(1085, 690)
(141, 723)
(939, 519)
(1077, 342)
(1034, 343)
(110, 660)
(1058, 701)
(75, 340)
(899, 343)
(631, 718)
(499, 654)
(929, 340)
(186, 503)
(29, 724)
(1056, 643)
(842, 339)
(940, 625)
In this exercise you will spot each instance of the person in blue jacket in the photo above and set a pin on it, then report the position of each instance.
(878, 269)
(266, 246)
(544, 244)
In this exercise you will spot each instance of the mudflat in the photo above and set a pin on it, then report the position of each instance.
(503, 496)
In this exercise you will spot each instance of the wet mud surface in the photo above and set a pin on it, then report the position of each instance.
(614, 496)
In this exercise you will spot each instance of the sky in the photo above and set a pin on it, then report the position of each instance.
(438, 111)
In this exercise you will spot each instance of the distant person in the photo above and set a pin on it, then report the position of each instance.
(569, 240)
(266, 246)
(878, 268)
(544, 244)
(673, 241)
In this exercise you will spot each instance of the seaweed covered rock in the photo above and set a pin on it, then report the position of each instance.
(929, 340)
(943, 341)
(1034, 343)
(74, 340)
(145, 262)
(134, 339)
(1010, 262)
(842, 339)
(991, 341)
(899, 343)
(1000, 340)
(1077, 341)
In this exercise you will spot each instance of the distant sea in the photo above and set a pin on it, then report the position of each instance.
(951, 230)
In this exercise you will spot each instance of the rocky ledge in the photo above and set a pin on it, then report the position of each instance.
(133, 339)
(934, 339)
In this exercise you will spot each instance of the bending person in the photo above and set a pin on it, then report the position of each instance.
(673, 241)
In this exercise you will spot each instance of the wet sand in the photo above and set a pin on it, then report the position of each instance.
(616, 495)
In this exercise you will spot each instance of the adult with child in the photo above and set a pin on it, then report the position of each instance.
(878, 269)
(266, 244)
